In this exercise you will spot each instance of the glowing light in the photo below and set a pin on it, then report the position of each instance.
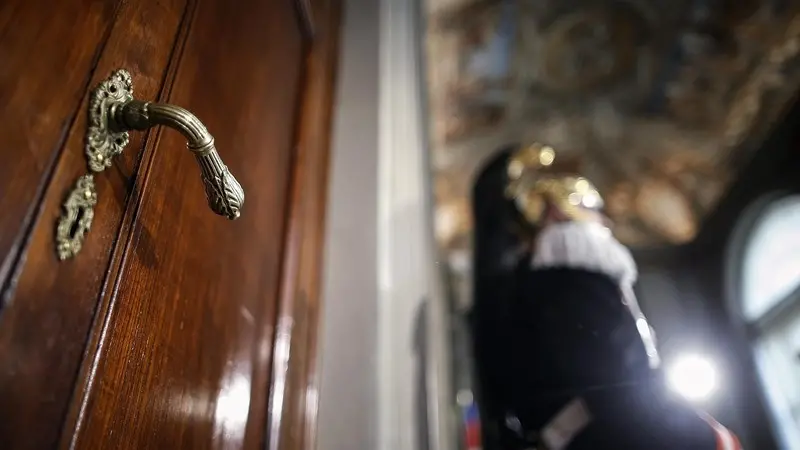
(515, 169)
(693, 376)
(591, 199)
(464, 397)
(546, 156)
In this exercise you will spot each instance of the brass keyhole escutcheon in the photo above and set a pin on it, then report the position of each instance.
(76, 220)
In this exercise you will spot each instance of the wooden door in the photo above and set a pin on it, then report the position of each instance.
(173, 327)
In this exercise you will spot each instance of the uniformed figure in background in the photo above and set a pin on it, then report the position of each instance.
(564, 356)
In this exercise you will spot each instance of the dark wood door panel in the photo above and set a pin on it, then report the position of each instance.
(187, 344)
(47, 53)
(50, 306)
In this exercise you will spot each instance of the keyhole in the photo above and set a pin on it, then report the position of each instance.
(76, 224)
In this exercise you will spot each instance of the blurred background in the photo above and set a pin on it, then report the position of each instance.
(683, 114)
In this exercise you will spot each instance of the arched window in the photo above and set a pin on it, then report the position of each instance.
(767, 287)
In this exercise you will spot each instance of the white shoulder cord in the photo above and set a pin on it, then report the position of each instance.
(584, 245)
(591, 246)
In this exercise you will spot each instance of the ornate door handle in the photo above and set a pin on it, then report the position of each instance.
(113, 112)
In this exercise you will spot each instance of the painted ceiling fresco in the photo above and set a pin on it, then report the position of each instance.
(660, 101)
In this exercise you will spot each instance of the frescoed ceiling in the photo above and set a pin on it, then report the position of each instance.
(660, 101)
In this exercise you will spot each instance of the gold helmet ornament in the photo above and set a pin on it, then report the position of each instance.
(536, 184)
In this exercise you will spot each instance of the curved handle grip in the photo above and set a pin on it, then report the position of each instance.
(225, 195)
(112, 113)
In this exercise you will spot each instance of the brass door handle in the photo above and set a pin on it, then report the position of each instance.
(113, 112)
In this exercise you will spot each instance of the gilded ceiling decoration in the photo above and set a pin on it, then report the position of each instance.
(659, 101)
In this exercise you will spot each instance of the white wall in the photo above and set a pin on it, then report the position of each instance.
(385, 372)
(413, 367)
(348, 391)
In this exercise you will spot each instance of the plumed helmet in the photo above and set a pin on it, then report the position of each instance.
(535, 182)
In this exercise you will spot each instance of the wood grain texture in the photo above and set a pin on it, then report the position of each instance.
(49, 310)
(85, 379)
(185, 347)
(40, 97)
(293, 395)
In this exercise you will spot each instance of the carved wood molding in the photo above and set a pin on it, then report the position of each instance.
(295, 373)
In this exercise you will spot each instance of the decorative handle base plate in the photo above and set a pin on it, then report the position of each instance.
(102, 142)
